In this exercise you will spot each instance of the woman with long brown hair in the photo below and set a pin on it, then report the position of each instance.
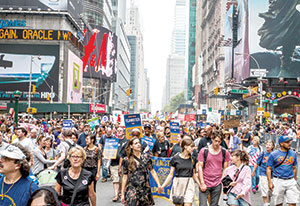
(184, 167)
(136, 189)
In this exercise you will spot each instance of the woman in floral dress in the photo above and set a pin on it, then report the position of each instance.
(136, 189)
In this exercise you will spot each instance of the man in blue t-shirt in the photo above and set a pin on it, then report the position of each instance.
(15, 189)
(284, 164)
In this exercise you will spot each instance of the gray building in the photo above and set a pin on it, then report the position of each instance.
(120, 99)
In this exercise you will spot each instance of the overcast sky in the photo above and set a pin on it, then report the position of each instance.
(157, 23)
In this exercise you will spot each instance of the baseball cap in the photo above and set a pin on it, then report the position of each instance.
(13, 152)
(147, 125)
(284, 139)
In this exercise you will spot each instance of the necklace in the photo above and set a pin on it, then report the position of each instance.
(7, 190)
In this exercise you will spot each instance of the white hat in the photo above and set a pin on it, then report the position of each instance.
(13, 152)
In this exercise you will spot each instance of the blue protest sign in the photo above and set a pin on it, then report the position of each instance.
(67, 124)
(162, 168)
(175, 132)
(132, 121)
(93, 123)
(198, 124)
(111, 148)
(150, 141)
(202, 125)
(203, 111)
(222, 112)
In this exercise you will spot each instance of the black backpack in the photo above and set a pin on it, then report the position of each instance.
(206, 154)
(67, 163)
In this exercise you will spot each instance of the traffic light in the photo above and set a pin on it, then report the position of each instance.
(217, 90)
(31, 110)
(256, 101)
(33, 89)
(149, 101)
(49, 97)
(130, 91)
(133, 103)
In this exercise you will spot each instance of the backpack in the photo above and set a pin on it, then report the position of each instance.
(206, 154)
(67, 163)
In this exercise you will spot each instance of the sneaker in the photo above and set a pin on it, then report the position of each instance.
(256, 187)
(103, 180)
(254, 191)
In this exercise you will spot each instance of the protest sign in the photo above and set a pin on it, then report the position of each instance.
(150, 141)
(132, 121)
(93, 122)
(110, 148)
(175, 132)
(231, 123)
(214, 118)
(67, 124)
(298, 119)
(162, 168)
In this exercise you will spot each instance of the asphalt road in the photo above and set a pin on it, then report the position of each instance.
(105, 194)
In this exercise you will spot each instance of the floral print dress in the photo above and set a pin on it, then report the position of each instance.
(138, 191)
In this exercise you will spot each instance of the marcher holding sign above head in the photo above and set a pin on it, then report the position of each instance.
(136, 189)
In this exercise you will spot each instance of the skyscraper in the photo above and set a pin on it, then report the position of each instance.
(176, 72)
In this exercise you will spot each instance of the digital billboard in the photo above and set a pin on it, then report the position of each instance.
(274, 42)
(74, 7)
(100, 58)
(241, 50)
(74, 78)
(16, 62)
(268, 39)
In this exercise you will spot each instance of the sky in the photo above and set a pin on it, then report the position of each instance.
(157, 23)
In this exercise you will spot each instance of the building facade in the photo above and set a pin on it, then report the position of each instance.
(135, 37)
(210, 18)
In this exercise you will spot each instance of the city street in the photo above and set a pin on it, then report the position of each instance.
(105, 194)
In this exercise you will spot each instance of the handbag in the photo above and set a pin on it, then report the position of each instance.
(226, 181)
(179, 200)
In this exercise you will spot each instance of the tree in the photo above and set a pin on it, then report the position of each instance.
(175, 102)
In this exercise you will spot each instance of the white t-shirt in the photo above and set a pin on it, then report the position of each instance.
(26, 142)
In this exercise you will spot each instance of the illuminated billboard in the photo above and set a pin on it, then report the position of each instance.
(100, 58)
(268, 39)
(74, 7)
(274, 37)
(16, 62)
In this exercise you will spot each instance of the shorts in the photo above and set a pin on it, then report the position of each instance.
(114, 174)
(285, 189)
(231, 200)
(178, 188)
(264, 186)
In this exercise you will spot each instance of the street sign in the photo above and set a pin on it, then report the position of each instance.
(258, 72)
(239, 91)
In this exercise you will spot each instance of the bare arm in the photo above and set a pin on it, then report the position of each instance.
(203, 186)
(92, 194)
(295, 172)
(169, 178)
(195, 177)
(155, 177)
(58, 188)
(269, 174)
(254, 169)
(124, 182)
(225, 166)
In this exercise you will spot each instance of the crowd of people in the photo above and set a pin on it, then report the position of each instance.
(235, 162)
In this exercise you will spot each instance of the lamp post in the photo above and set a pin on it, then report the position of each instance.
(17, 95)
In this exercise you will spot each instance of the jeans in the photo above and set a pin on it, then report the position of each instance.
(255, 179)
(214, 192)
(105, 166)
(232, 201)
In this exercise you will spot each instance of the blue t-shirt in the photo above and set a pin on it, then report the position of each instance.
(262, 160)
(285, 170)
(236, 141)
(18, 194)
